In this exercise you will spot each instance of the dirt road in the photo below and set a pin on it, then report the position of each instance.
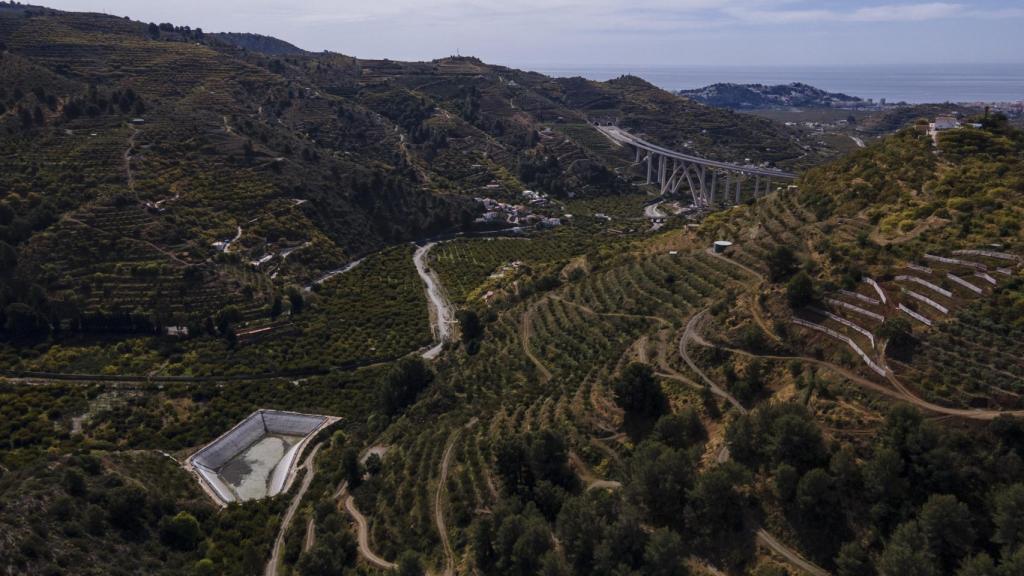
(441, 314)
(363, 533)
(764, 537)
(690, 333)
(525, 333)
(439, 497)
(289, 515)
(755, 307)
(901, 392)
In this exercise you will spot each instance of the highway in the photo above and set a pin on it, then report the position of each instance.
(621, 136)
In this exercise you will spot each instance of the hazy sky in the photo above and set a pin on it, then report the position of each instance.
(614, 32)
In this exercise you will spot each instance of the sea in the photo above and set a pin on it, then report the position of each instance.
(914, 84)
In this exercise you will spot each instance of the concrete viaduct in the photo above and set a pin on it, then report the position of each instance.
(708, 180)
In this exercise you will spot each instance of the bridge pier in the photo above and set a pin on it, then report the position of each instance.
(685, 166)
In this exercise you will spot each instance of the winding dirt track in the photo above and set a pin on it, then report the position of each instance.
(289, 515)
(439, 494)
(755, 308)
(310, 539)
(525, 333)
(764, 537)
(690, 334)
(363, 536)
(440, 308)
(901, 392)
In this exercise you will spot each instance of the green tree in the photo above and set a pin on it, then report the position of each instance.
(296, 300)
(815, 494)
(946, 523)
(482, 539)
(795, 439)
(781, 262)
(681, 430)
(333, 552)
(409, 564)
(1008, 517)
(403, 383)
(637, 391)
(800, 290)
(665, 554)
(715, 510)
(908, 554)
(1012, 565)
(898, 332)
(351, 470)
(8, 259)
(204, 567)
(126, 507)
(980, 565)
(469, 325)
(74, 483)
(661, 478)
(24, 322)
(786, 480)
(181, 532)
(853, 560)
(580, 530)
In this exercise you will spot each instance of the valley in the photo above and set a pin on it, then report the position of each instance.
(548, 325)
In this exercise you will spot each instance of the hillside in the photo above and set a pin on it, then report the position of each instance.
(196, 227)
(760, 96)
(256, 43)
(298, 161)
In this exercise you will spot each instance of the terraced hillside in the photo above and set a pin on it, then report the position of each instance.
(838, 392)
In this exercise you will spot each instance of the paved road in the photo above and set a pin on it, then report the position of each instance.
(440, 308)
(289, 515)
(653, 212)
(332, 273)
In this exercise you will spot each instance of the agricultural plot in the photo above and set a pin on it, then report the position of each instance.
(970, 361)
(466, 265)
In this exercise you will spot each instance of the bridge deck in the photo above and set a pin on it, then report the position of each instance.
(623, 137)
